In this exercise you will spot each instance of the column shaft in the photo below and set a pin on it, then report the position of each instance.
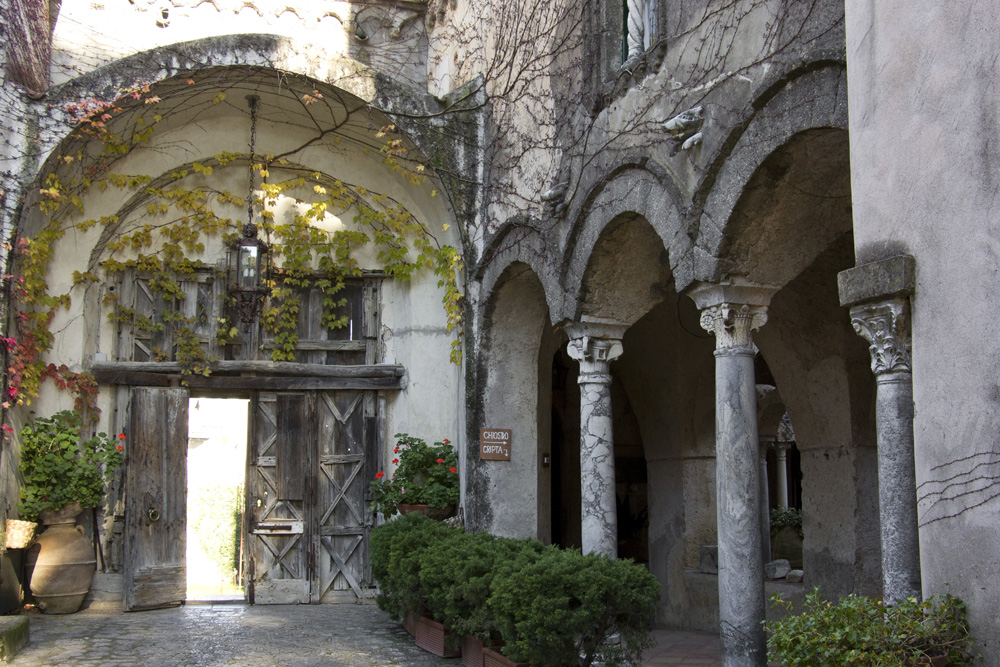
(765, 508)
(897, 487)
(737, 482)
(732, 311)
(595, 343)
(886, 326)
(781, 469)
(598, 502)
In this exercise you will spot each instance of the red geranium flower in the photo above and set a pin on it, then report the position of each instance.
(440, 460)
(395, 461)
(121, 436)
(446, 441)
(119, 448)
(379, 475)
(451, 470)
(396, 451)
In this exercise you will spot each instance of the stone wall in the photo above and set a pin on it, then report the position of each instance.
(924, 173)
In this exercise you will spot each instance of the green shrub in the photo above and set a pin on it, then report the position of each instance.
(397, 549)
(563, 608)
(786, 516)
(457, 577)
(863, 632)
(552, 607)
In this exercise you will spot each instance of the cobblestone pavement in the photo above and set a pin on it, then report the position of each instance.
(236, 635)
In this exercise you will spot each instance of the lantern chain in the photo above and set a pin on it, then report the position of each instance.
(252, 100)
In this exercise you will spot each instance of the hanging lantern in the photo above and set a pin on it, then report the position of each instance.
(248, 264)
(248, 267)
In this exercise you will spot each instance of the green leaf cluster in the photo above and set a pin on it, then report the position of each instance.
(786, 516)
(425, 475)
(59, 466)
(858, 631)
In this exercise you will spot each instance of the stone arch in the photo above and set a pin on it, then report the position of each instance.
(515, 245)
(194, 130)
(633, 191)
(279, 56)
(803, 117)
(511, 498)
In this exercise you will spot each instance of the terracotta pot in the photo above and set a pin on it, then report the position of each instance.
(493, 658)
(472, 652)
(65, 514)
(431, 637)
(65, 566)
(436, 513)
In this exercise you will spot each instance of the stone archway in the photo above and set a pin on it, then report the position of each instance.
(512, 498)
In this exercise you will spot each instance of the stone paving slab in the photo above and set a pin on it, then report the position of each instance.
(344, 635)
(679, 648)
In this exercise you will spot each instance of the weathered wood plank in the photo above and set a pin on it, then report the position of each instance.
(273, 367)
(306, 344)
(292, 445)
(248, 382)
(156, 498)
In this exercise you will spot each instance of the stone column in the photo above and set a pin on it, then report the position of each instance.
(595, 344)
(765, 509)
(732, 312)
(636, 27)
(885, 325)
(781, 463)
(878, 294)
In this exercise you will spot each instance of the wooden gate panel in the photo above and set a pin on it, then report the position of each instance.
(344, 517)
(156, 499)
(278, 527)
(312, 464)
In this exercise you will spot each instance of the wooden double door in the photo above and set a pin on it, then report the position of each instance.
(311, 457)
(311, 460)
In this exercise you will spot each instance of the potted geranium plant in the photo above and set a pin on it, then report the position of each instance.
(63, 472)
(425, 479)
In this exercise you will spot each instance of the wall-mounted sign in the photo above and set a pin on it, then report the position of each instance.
(494, 444)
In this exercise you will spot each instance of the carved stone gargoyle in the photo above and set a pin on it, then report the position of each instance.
(685, 129)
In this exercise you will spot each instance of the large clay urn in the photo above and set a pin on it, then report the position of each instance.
(65, 566)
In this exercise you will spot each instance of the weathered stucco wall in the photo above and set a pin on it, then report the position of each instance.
(388, 37)
(923, 89)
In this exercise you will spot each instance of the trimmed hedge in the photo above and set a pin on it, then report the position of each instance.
(549, 606)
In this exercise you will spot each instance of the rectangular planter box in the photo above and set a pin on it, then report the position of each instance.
(410, 623)
(495, 659)
(430, 637)
(472, 652)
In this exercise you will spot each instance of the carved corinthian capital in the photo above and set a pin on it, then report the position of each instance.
(886, 326)
(595, 356)
(732, 324)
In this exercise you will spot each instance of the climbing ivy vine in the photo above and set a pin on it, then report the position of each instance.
(175, 214)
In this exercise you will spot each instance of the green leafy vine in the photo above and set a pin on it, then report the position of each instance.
(176, 214)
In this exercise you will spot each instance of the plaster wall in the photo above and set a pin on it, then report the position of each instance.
(390, 37)
(923, 118)
(513, 489)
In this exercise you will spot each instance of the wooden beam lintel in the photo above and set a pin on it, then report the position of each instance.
(265, 383)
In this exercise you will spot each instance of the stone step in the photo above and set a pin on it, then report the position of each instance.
(13, 636)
